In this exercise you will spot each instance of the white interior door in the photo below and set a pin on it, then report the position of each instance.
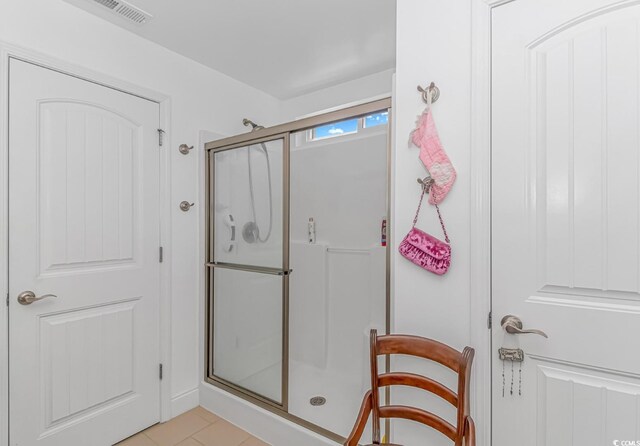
(84, 226)
(566, 221)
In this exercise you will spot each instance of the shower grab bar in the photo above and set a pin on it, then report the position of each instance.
(349, 250)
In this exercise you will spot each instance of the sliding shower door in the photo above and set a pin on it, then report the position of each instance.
(298, 263)
(248, 267)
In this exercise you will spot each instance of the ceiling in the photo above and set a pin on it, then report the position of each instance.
(284, 47)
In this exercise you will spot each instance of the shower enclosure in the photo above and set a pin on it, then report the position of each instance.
(298, 264)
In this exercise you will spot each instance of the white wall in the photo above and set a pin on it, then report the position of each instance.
(433, 44)
(201, 99)
(374, 85)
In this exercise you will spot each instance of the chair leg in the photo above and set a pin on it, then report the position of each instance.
(470, 432)
(359, 426)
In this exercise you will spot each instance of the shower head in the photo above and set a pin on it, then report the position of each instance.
(249, 122)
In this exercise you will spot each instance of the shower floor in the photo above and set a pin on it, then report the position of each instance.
(343, 397)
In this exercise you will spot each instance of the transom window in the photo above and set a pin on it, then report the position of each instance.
(349, 126)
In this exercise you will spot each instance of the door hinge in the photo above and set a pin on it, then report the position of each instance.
(160, 372)
(7, 299)
(161, 137)
(160, 254)
(489, 321)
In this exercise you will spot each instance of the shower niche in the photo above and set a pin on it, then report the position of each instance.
(298, 264)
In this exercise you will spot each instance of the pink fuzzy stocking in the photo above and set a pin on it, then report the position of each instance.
(434, 158)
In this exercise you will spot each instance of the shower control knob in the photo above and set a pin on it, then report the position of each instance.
(184, 149)
(185, 206)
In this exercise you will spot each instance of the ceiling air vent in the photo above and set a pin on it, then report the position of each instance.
(126, 10)
(111, 4)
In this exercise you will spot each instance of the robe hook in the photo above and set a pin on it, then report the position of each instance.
(432, 90)
(426, 183)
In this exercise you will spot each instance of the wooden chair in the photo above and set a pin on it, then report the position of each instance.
(460, 363)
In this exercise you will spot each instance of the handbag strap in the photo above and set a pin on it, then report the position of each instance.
(425, 187)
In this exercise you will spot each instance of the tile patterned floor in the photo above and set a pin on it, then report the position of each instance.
(198, 427)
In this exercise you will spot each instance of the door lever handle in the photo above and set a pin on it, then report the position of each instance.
(513, 325)
(29, 297)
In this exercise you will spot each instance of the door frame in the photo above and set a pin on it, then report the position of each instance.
(480, 212)
(7, 52)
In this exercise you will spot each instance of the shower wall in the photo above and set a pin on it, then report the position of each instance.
(338, 284)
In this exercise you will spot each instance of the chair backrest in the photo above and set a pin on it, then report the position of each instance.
(458, 362)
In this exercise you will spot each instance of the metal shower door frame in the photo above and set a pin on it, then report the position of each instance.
(284, 271)
(284, 132)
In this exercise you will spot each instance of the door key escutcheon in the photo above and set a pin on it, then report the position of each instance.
(29, 297)
(513, 325)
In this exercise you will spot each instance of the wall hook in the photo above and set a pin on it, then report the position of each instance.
(432, 90)
(184, 149)
(185, 206)
(426, 183)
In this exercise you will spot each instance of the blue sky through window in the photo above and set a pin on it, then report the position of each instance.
(336, 129)
(376, 119)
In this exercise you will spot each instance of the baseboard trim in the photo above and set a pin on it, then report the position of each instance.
(257, 421)
(185, 402)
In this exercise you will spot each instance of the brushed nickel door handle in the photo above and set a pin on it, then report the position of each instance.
(29, 297)
(513, 325)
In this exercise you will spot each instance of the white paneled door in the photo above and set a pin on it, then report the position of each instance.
(566, 221)
(84, 237)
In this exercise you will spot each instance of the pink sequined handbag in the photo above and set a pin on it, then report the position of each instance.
(425, 250)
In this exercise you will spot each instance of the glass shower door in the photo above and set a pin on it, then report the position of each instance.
(248, 267)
